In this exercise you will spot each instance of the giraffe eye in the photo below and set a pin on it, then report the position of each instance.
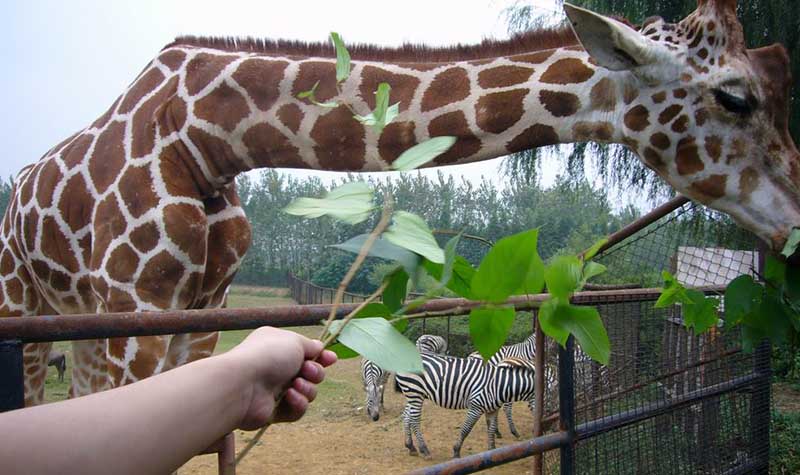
(735, 104)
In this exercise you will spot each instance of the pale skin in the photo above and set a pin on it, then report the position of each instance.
(157, 424)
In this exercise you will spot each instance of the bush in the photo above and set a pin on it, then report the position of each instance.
(785, 443)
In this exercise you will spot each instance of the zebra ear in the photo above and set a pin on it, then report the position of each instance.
(512, 362)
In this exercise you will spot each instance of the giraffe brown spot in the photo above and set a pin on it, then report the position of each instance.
(260, 78)
(122, 263)
(481, 62)
(653, 159)
(637, 118)
(100, 287)
(108, 157)
(669, 113)
(713, 146)
(703, 53)
(503, 76)
(204, 68)
(534, 136)
(7, 264)
(172, 58)
(171, 116)
(454, 123)
(224, 107)
(748, 182)
(56, 246)
(60, 281)
(120, 301)
(687, 158)
(108, 223)
(84, 289)
(143, 130)
(235, 233)
(599, 131)
(136, 189)
(76, 204)
(49, 177)
(103, 119)
(604, 95)
(629, 93)
(700, 116)
(420, 66)
(403, 86)
(14, 291)
(533, 58)
(188, 298)
(681, 124)
(75, 152)
(710, 188)
(185, 225)
(659, 97)
(268, 147)
(451, 85)
(146, 83)
(158, 279)
(182, 177)
(396, 138)
(560, 104)
(698, 38)
(339, 141)
(679, 93)
(41, 269)
(26, 190)
(291, 116)
(567, 71)
(85, 245)
(497, 112)
(660, 140)
(218, 155)
(31, 228)
(322, 73)
(145, 237)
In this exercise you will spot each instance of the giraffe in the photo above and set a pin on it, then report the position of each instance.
(139, 211)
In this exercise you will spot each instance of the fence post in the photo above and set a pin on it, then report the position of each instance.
(760, 399)
(566, 403)
(12, 383)
(539, 362)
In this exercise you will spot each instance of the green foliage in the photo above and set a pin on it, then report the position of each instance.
(511, 267)
(785, 443)
(489, 327)
(422, 153)
(699, 311)
(342, 58)
(350, 203)
(409, 231)
(377, 340)
(6, 187)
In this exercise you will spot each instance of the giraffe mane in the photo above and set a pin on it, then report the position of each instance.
(530, 41)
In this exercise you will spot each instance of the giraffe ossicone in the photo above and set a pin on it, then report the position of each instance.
(138, 211)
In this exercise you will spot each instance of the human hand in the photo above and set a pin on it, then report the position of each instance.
(280, 367)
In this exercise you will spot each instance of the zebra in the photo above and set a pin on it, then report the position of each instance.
(374, 379)
(432, 344)
(58, 360)
(463, 383)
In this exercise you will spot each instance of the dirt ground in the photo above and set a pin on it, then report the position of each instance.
(337, 437)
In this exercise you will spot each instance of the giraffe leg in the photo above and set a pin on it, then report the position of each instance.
(473, 414)
(89, 368)
(507, 408)
(189, 347)
(135, 358)
(34, 362)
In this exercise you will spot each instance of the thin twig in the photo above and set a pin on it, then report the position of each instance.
(333, 335)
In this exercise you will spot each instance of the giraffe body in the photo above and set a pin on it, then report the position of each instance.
(139, 212)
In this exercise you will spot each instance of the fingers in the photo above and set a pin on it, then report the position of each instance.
(312, 371)
(311, 348)
(292, 407)
(306, 388)
(327, 358)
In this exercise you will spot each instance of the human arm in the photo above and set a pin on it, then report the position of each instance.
(155, 425)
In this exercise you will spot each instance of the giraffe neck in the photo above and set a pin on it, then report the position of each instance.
(243, 112)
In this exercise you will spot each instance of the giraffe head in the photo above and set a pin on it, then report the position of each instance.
(707, 114)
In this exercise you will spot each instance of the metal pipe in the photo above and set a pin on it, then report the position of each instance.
(495, 457)
(113, 325)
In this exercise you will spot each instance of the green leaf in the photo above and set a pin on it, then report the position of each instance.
(449, 259)
(742, 297)
(587, 326)
(409, 231)
(460, 282)
(489, 327)
(423, 153)
(385, 250)
(775, 271)
(791, 244)
(328, 105)
(308, 94)
(391, 113)
(342, 351)
(395, 293)
(342, 58)
(701, 314)
(351, 203)
(549, 319)
(512, 266)
(563, 276)
(381, 107)
(672, 293)
(374, 309)
(592, 269)
(592, 251)
(792, 283)
(377, 340)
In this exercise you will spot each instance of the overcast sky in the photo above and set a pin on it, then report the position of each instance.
(66, 62)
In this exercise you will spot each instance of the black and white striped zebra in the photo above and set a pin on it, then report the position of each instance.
(463, 383)
(374, 379)
(432, 344)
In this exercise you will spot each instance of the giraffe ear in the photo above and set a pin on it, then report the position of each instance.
(611, 43)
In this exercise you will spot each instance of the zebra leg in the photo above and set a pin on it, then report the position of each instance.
(511, 426)
(491, 418)
(497, 433)
(407, 432)
(473, 414)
